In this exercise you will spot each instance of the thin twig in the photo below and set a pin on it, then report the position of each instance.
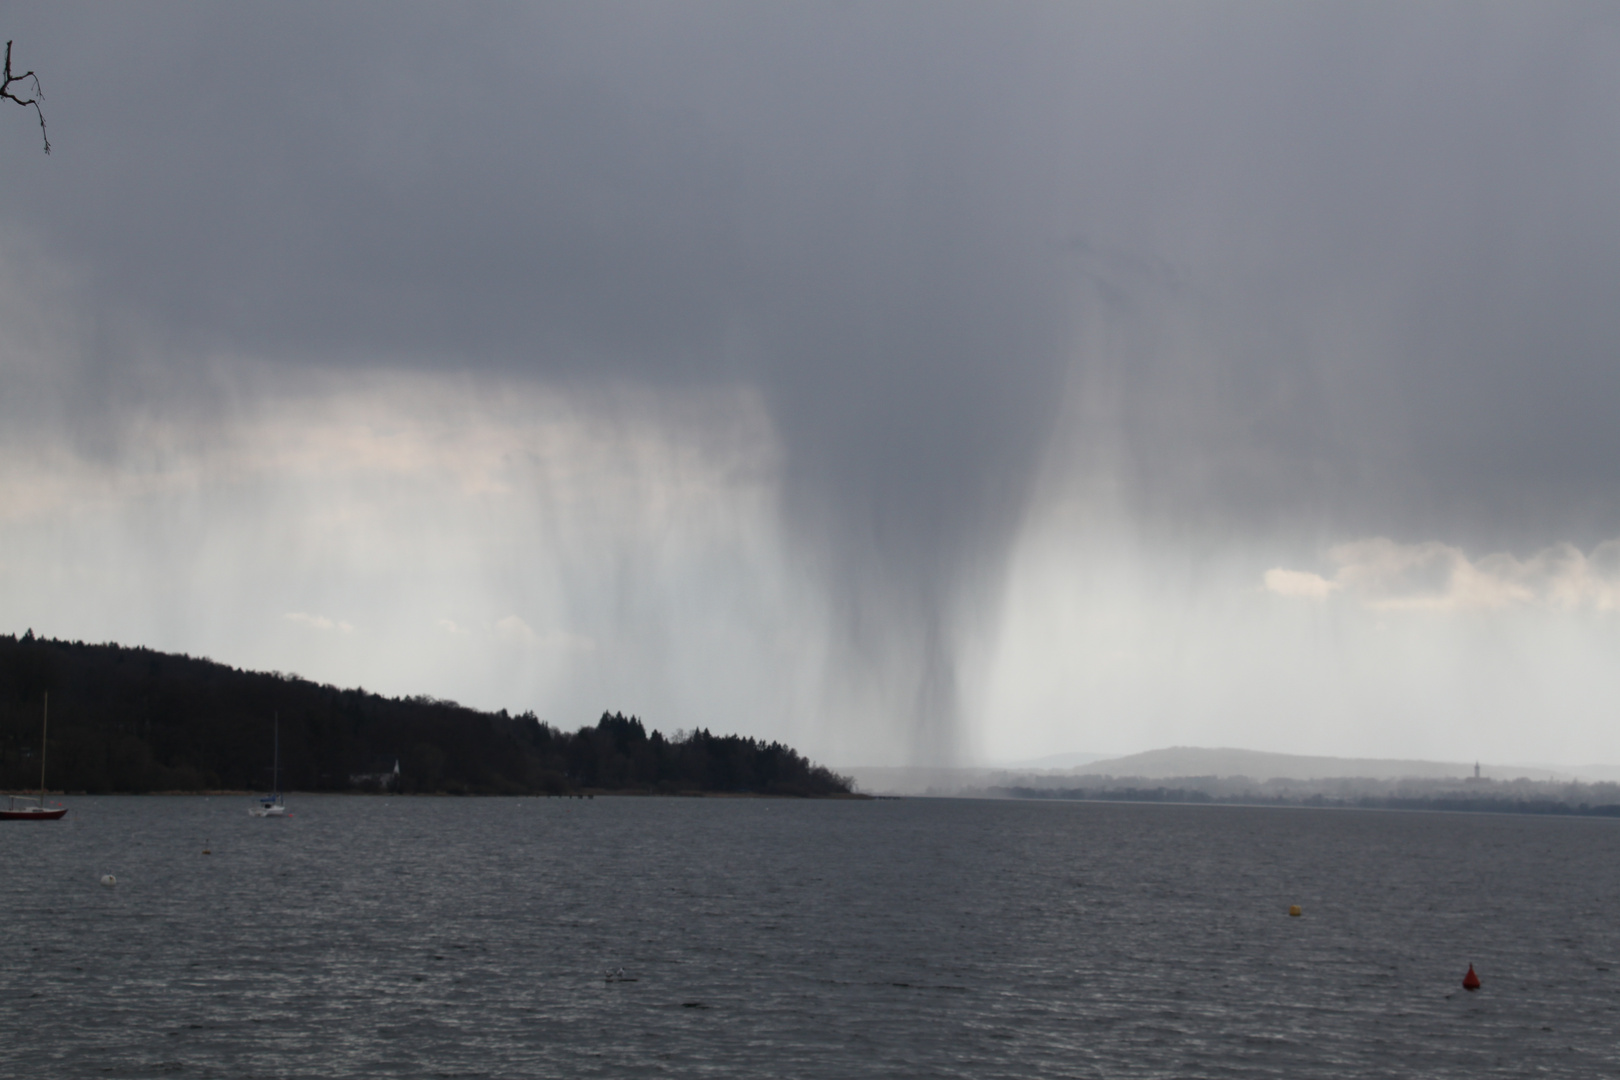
(6, 92)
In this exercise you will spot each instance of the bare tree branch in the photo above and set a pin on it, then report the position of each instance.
(7, 92)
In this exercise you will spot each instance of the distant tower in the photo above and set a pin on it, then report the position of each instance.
(1476, 770)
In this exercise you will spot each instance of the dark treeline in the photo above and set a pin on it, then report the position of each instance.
(134, 720)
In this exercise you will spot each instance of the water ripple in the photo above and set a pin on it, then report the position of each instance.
(470, 938)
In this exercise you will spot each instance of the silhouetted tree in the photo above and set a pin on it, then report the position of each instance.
(22, 81)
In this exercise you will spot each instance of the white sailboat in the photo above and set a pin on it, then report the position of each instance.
(271, 805)
(25, 807)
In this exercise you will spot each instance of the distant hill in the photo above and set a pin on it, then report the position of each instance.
(1095, 772)
(1178, 761)
(1245, 777)
(134, 720)
(1055, 761)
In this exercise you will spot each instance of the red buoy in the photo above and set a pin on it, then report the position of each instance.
(1470, 980)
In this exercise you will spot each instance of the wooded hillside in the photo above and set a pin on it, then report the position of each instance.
(135, 720)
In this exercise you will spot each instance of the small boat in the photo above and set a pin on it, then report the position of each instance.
(271, 805)
(28, 808)
(33, 809)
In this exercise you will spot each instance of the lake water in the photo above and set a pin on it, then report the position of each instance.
(469, 938)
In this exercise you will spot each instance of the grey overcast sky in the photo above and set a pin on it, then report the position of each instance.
(913, 382)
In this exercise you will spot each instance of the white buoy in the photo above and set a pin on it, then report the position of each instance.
(108, 880)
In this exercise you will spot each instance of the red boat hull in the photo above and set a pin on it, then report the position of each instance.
(32, 815)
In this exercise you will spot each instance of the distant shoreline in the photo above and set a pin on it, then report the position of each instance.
(847, 796)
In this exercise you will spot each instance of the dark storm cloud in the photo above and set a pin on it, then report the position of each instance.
(1393, 307)
(1355, 265)
(378, 185)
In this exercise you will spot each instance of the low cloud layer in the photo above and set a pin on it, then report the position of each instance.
(319, 622)
(1388, 576)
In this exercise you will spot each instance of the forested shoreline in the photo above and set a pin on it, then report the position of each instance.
(133, 720)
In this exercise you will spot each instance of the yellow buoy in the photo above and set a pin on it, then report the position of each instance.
(1295, 911)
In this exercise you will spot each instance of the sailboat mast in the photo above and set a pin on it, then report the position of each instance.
(275, 768)
(44, 730)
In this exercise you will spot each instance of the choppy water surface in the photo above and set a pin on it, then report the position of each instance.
(441, 937)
